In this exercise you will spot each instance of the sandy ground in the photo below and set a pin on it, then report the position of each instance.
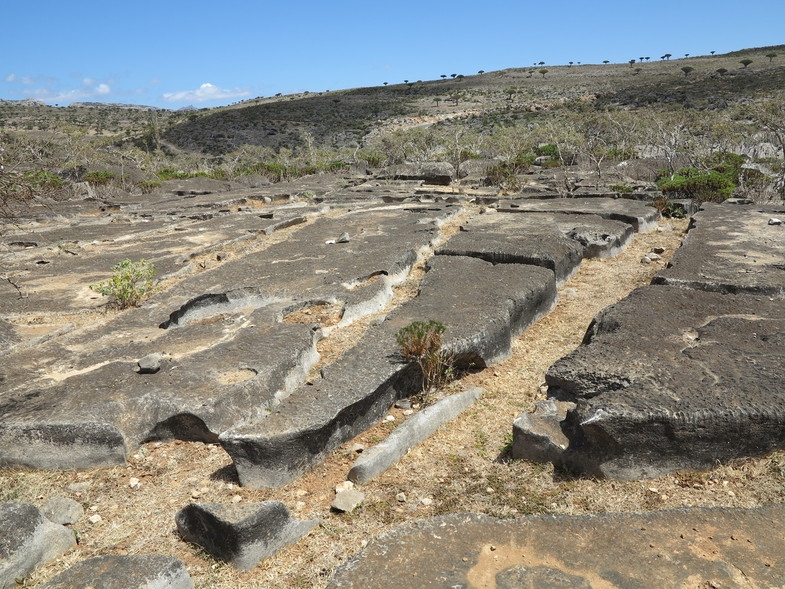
(463, 467)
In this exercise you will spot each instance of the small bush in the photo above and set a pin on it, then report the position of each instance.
(421, 342)
(148, 187)
(41, 180)
(622, 188)
(701, 185)
(98, 178)
(130, 282)
(667, 208)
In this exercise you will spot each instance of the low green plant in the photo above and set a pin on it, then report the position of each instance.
(147, 187)
(622, 188)
(421, 342)
(98, 178)
(129, 283)
(41, 180)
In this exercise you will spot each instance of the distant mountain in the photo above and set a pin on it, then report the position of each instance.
(112, 105)
(23, 102)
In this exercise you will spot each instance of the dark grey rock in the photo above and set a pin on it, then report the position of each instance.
(27, 541)
(141, 571)
(439, 173)
(546, 248)
(411, 432)
(671, 378)
(656, 549)
(483, 308)
(635, 213)
(226, 347)
(62, 510)
(730, 249)
(241, 534)
(538, 436)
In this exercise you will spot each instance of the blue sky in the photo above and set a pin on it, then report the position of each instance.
(173, 53)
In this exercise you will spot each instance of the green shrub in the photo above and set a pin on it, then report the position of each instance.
(374, 159)
(130, 282)
(701, 185)
(549, 149)
(41, 180)
(147, 187)
(421, 342)
(98, 178)
(622, 188)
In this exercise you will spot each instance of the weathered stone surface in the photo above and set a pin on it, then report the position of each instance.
(111, 408)
(224, 346)
(538, 436)
(547, 249)
(241, 534)
(28, 540)
(440, 173)
(357, 390)
(141, 571)
(680, 548)
(671, 378)
(635, 213)
(348, 500)
(411, 432)
(731, 249)
(62, 510)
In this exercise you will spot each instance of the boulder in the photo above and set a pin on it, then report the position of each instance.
(27, 541)
(241, 534)
(672, 378)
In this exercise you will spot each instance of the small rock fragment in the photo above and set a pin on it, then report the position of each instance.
(775, 221)
(401, 497)
(150, 364)
(344, 238)
(344, 486)
(348, 501)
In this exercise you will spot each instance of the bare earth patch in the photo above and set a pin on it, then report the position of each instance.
(463, 467)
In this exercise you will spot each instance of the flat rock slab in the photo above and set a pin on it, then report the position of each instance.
(680, 548)
(546, 248)
(358, 388)
(27, 541)
(207, 383)
(411, 432)
(599, 237)
(141, 571)
(671, 378)
(227, 355)
(731, 249)
(241, 534)
(56, 274)
(635, 213)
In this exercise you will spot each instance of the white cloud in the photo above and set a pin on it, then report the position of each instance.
(102, 89)
(204, 93)
(10, 78)
(88, 81)
(28, 80)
